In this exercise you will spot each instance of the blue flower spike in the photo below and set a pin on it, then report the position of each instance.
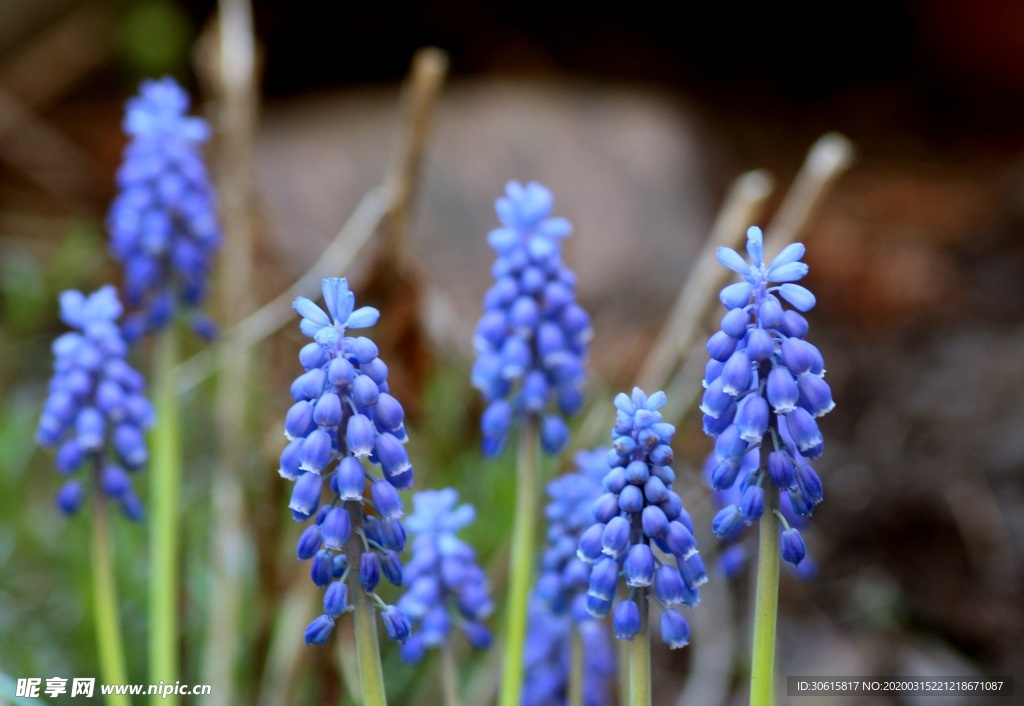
(558, 605)
(761, 404)
(347, 458)
(638, 514)
(96, 413)
(533, 338)
(446, 588)
(163, 223)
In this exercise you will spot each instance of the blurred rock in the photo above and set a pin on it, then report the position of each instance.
(628, 166)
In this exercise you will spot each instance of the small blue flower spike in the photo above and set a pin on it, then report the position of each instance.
(548, 658)
(638, 513)
(532, 339)
(558, 605)
(764, 389)
(446, 587)
(96, 412)
(163, 223)
(346, 436)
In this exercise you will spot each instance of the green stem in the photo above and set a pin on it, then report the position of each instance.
(104, 596)
(449, 676)
(166, 492)
(640, 657)
(371, 676)
(765, 610)
(521, 569)
(576, 669)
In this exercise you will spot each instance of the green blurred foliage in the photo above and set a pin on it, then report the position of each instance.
(29, 281)
(154, 37)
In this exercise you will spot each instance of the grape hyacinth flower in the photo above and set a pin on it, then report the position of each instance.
(558, 607)
(532, 339)
(734, 555)
(446, 587)
(344, 414)
(764, 390)
(96, 412)
(564, 576)
(638, 511)
(163, 223)
(548, 658)
(531, 343)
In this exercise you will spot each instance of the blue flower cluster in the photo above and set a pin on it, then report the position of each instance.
(446, 587)
(342, 414)
(532, 339)
(163, 223)
(638, 509)
(733, 556)
(564, 576)
(764, 389)
(548, 653)
(559, 600)
(96, 411)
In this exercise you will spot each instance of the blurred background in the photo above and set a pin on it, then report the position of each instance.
(638, 124)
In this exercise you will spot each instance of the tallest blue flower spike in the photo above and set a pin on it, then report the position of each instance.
(764, 386)
(532, 339)
(163, 223)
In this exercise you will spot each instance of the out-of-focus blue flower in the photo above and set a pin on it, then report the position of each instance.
(163, 223)
(96, 412)
(563, 575)
(446, 587)
(344, 413)
(558, 605)
(764, 388)
(532, 339)
(548, 658)
(638, 511)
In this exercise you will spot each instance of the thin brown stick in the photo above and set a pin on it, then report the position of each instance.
(742, 205)
(46, 68)
(286, 647)
(827, 159)
(44, 153)
(233, 77)
(270, 317)
(396, 191)
(60, 56)
(419, 98)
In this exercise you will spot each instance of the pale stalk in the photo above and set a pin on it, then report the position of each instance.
(640, 658)
(521, 568)
(165, 530)
(576, 668)
(371, 676)
(105, 603)
(449, 676)
(765, 613)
